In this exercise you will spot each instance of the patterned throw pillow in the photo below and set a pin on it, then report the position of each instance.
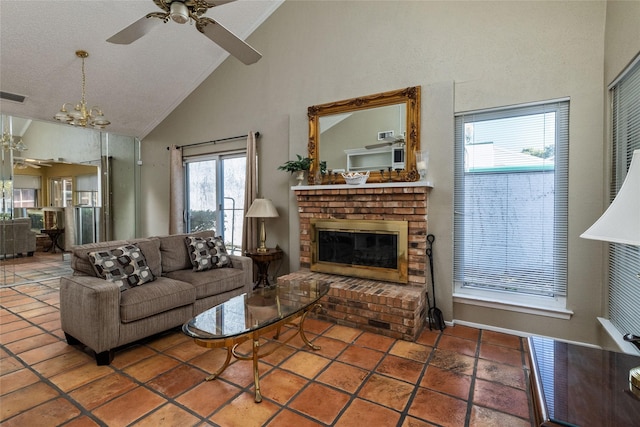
(207, 253)
(199, 253)
(126, 266)
(219, 253)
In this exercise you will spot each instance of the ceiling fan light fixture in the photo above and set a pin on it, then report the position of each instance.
(179, 12)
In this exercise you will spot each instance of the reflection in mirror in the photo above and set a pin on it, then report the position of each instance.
(377, 133)
(367, 138)
(80, 180)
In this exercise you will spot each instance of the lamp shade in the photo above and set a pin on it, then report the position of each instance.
(262, 208)
(620, 223)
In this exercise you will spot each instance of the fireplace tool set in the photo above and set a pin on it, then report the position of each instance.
(436, 320)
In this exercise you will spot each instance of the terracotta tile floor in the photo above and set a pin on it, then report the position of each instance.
(459, 377)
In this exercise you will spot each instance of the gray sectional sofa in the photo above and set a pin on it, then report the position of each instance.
(97, 313)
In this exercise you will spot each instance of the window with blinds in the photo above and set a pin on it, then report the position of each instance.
(624, 260)
(511, 196)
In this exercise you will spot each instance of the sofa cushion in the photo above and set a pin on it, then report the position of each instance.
(151, 249)
(211, 282)
(80, 261)
(175, 255)
(207, 253)
(162, 295)
(126, 266)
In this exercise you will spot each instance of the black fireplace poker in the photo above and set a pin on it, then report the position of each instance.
(436, 319)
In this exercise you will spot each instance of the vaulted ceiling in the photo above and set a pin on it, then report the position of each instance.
(137, 85)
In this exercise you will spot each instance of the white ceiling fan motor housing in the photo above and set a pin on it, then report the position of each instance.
(179, 12)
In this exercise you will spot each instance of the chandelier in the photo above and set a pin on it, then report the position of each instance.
(7, 140)
(80, 115)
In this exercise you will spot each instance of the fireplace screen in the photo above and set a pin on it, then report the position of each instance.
(359, 248)
(370, 249)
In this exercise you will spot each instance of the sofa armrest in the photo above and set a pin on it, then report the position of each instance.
(246, 265)
(90, 311)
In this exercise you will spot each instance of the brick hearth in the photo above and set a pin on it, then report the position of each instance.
(391, 309)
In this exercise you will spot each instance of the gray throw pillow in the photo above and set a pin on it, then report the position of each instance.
(126, 266)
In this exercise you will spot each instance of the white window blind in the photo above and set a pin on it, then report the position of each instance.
(624, 260)
(27, 181)
(87, 182)
(511, 192)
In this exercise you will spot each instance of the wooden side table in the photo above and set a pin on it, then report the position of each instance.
(54, 234)
(262, 261)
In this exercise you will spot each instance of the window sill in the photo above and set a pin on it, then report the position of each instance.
(616, 336)
(538, 306)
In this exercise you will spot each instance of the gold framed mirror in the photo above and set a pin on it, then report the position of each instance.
(379, 134)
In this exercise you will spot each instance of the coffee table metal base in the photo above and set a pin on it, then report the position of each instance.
(232, 343)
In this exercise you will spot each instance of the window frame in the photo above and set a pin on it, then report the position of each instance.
(623, 293)
(219, 158)
(552, 306)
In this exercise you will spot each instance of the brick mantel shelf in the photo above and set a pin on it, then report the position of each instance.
(426, 184)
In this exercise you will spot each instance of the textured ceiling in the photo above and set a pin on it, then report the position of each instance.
(136, 85)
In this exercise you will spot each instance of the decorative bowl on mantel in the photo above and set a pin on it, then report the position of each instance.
(355, 178)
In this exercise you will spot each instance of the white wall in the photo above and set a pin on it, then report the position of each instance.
(465, 55)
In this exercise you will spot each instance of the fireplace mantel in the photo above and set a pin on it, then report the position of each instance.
(427, 184)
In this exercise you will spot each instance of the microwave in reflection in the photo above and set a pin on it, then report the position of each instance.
(398, 157)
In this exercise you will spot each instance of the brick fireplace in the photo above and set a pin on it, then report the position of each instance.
(389, 308)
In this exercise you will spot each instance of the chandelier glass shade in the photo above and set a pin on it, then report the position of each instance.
(80, 114)
(8, 141)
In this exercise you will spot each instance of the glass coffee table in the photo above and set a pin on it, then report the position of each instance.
(249, 316)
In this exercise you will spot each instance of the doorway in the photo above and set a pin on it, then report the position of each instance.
(215, 196)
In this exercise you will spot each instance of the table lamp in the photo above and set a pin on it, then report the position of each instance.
(262, 208)
(620, 223)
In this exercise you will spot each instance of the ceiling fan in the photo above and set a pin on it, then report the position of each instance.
(388, 141)
(183, 11)
(22, 163)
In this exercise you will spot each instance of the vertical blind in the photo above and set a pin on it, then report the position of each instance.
(510, 202)
(624, 260)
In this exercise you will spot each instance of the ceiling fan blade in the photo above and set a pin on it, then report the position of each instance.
(136, 30)
(213, 3)
(24, 165)
(379, 145)
(228, 41)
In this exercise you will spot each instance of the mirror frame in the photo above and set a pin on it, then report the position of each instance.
(409, 96)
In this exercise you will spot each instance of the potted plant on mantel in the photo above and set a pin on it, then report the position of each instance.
(299, 167)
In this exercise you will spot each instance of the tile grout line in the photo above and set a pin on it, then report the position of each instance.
(472, 384)
(405, 412)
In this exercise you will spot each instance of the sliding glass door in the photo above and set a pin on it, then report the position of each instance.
(215, 196)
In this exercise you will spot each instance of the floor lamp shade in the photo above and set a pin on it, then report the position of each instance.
(620, 223)
(262, 208)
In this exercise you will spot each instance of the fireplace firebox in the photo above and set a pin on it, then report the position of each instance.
(372, 249)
